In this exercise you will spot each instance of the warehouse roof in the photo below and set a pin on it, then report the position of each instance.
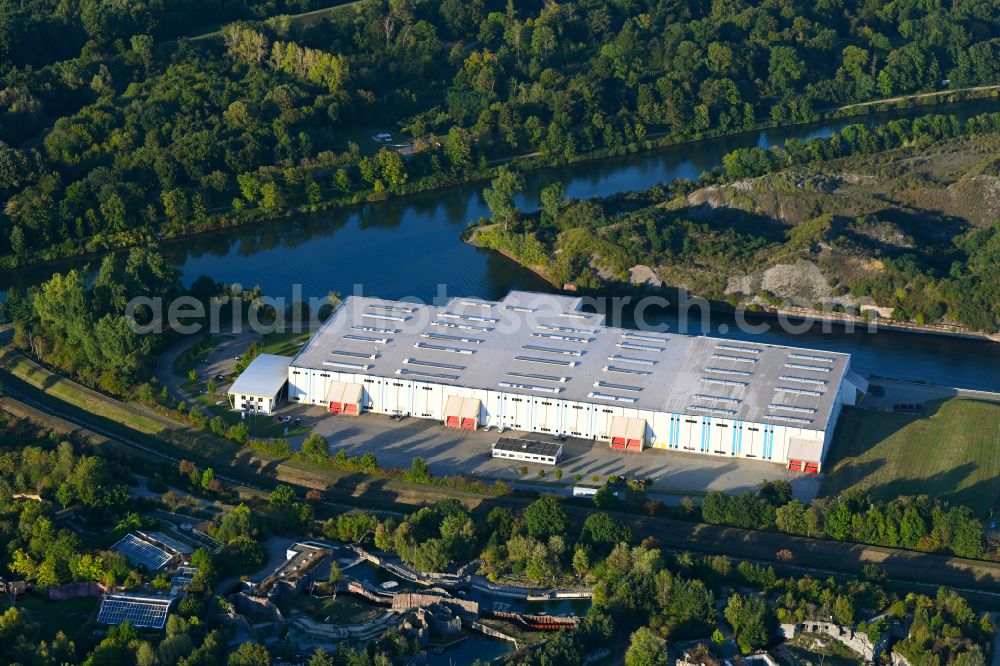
(544, 345)
(263, 378)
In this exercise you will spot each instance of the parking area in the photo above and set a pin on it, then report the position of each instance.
(220, 361)
(895, 394)
(217, 362)
(451, 451)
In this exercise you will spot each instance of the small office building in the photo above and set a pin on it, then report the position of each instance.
(261, 385)
(528, 450)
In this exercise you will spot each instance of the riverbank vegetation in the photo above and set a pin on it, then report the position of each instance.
(84, 328)
(899, 218)
(115, 134)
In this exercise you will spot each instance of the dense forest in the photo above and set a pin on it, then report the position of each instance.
(899, 215)
(86, 328)
(115, 132)
(916, 523)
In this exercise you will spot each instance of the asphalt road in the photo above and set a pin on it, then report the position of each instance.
(219, 361)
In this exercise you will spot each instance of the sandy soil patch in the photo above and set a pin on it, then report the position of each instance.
(640, 274)
(802, 283)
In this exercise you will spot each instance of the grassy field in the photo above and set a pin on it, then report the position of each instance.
(79, 396)
(284, 344)
(953, 453)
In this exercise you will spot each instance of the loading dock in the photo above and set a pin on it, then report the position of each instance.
(627, 433)
(462, 412)
(804, 455)
(344, 398)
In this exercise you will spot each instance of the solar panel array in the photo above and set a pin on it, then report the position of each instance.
(144, 612)
(183, 576)
(142, 552)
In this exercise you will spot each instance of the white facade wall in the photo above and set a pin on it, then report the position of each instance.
(521, 456)
(258, 404)
(681, 432)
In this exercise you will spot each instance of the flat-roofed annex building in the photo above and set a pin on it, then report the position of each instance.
(538, 363)
(259, 387)
(527, 450)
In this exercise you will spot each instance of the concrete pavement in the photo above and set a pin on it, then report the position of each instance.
(897, 392)
(449, 451)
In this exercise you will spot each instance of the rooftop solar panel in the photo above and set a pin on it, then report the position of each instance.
(183, 576)
(142, 552)
(144, 612)
(168, 541)
(527, 446)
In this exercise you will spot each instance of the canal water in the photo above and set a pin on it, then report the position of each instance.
(410, 247)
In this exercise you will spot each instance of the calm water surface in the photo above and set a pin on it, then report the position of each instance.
(410, 247)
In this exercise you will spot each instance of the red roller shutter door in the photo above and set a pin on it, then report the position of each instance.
(453, 412)
(470, 413)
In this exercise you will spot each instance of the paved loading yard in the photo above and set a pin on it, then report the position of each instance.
(451, 451)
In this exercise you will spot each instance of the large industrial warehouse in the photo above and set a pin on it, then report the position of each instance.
(537, 363)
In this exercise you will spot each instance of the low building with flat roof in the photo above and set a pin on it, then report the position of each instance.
(527, 450)
(260, 386)
(539, 363)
